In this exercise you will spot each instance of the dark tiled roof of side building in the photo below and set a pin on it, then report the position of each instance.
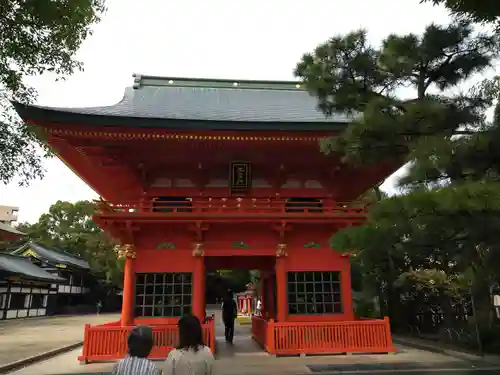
(22, 267)
(53, 255)
(10, 229)
(184, 103)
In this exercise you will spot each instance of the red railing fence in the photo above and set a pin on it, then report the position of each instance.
(293, 338)
(109, 343)
(235, 206)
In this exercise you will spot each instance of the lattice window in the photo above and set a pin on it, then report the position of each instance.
(163, 294)
(314, 293)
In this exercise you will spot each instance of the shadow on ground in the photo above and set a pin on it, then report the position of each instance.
(401, 367)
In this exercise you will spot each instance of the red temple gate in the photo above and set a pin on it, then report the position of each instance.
(198, 174)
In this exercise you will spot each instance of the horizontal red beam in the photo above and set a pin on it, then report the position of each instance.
(140, 218)
(229, 210)
(233, 208)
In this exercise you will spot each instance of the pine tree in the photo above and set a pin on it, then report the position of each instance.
(439, 236)
(482, 11)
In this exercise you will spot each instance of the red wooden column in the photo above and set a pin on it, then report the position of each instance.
(281, 298)
(271, 309)
(199, 276)
(127, 252)
(346, 292)
(262, 292)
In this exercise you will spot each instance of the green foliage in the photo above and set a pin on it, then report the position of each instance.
(430, 233)
(69, 226)
(471, 157)
(37, 37)
(238, 279)
(434, 242)
(365, 308)
(347, 74)
(483, 11)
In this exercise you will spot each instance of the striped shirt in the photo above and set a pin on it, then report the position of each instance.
(135, 366)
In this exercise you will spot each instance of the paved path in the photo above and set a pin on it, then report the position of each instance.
(22, 338)
(246, 358)
(243, 345)
(267, 365)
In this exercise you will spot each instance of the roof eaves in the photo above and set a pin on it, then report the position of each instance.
(53, 256)
(39, 114)
(19, 265)
(10, 229)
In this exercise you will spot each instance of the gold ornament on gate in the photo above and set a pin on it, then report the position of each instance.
(125, 251)
(198, 250)
(281, 250)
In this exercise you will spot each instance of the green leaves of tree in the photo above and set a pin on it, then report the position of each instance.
(19, 154)
(440, 235)
(348, 75)
(69, 226)
(483, 11)
(37, 36)
(41, 36)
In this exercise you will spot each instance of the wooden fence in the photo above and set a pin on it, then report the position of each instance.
(293, 338)
(109, 342)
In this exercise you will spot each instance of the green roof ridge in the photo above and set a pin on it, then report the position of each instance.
(157, 81)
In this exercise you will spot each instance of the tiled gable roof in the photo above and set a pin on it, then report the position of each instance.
(184, 99)
(53, 255)
(21, 266)
(10, 229)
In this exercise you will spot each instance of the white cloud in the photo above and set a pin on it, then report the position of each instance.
(259, 39)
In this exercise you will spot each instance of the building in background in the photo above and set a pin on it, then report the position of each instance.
(8, 217)
(9, 233)
(72, 295)
(25, 288)
(8, 214)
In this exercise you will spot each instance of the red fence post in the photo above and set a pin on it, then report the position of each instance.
(85, 349)
(269, 342)
(390, 346)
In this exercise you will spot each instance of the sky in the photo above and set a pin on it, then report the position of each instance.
(258, 39)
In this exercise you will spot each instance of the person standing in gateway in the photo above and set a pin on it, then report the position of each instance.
(229, 314)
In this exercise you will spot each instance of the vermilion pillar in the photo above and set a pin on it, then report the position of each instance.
(127, 316)
(199, 276)
(262, 292)
(281, 299)
(346, 292)
(270, 308)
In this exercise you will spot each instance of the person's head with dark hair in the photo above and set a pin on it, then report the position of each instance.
(190, 333)
(140, 341)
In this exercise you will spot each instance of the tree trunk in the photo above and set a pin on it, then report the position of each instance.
(482, 299)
